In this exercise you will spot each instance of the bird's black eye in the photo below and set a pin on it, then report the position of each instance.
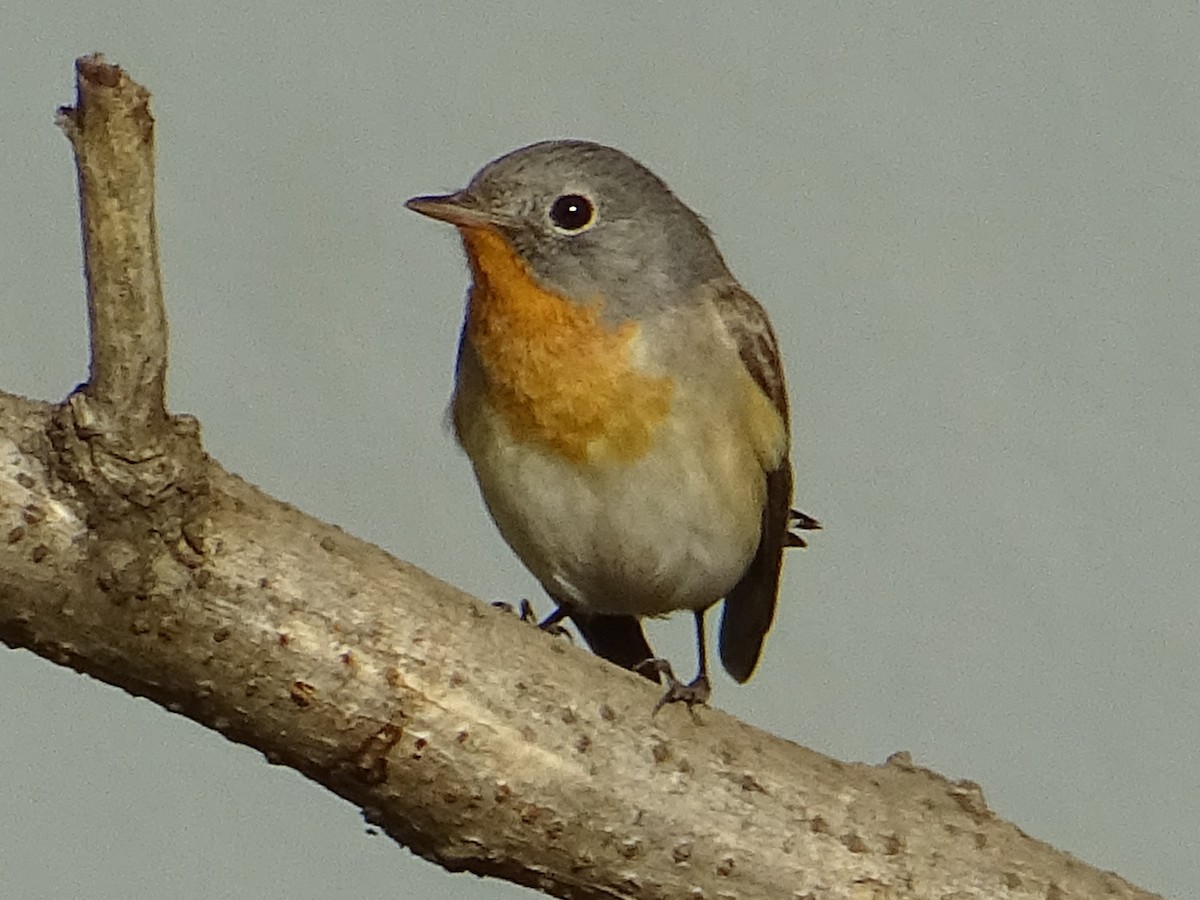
(572, 212)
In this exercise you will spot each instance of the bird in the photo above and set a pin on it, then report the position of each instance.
(621, 399)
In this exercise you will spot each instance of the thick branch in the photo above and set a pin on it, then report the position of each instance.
(475, 740)
(540, 764)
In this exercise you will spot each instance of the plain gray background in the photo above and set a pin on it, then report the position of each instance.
(975, 228)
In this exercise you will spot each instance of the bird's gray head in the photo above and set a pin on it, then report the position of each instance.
(590, 223)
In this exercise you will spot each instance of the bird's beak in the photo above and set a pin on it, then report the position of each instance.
(459, 209)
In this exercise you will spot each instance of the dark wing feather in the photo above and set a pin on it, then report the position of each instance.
(750, 606)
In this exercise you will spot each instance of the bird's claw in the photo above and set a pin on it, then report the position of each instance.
(557, 630)
(697, 691)
(524, 610)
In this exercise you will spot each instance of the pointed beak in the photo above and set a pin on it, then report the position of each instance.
(459, 209)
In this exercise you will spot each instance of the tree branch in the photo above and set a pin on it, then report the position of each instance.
(112, 133)
(128, 554)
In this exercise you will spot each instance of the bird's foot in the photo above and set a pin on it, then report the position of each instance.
(524, 611)
(697, 691)
(552, 625)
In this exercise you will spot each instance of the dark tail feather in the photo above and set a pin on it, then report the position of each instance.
(804, 522)
(619, 639)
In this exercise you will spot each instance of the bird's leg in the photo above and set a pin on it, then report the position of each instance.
(550, 623)
(698, 689)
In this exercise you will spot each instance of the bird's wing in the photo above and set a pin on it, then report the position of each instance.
(750, 605)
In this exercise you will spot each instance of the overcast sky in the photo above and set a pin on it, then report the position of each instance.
(975, 227)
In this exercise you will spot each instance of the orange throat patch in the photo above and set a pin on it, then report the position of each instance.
(554, 371)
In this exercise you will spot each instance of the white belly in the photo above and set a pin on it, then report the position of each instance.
(673, 530)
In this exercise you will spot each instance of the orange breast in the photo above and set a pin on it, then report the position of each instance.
(556, 373)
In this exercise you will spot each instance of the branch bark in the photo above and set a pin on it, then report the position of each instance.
(128, 554)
